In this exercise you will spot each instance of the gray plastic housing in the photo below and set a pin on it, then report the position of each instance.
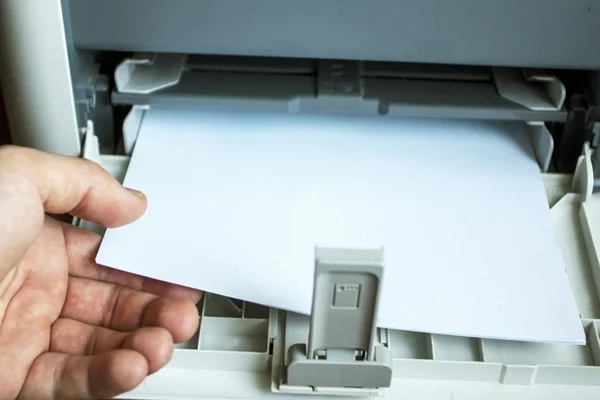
(340, 86)
(534, 33)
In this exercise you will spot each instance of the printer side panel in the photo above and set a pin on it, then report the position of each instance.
(35, 76)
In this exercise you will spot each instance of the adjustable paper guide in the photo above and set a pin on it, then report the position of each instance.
(342, 353)
(79, 76)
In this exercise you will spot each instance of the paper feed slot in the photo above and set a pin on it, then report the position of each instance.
(539, 136)
(339, 86)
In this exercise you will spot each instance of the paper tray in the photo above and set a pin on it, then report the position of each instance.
(237, 351)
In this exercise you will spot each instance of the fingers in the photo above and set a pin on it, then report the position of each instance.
(73, 185)
(76, 338)
(82, 247)
(124, 309)
(61, 376)
(33, 182)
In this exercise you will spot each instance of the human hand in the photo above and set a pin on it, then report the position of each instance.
(70, 328)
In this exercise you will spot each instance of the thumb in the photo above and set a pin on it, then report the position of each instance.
(33, 182)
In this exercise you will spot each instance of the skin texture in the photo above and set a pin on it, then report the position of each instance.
(69, 328)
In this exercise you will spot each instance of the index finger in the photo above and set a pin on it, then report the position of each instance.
(70, 185)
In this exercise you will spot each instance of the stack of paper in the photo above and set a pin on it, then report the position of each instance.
(238, 202)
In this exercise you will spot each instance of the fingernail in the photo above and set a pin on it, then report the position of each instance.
(136, 193)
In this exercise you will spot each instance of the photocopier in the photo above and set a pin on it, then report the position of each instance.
(78, 76)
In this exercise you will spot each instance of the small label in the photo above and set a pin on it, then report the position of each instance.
(346, 295)
(346, 287)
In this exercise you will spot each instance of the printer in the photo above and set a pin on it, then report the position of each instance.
(78, 75)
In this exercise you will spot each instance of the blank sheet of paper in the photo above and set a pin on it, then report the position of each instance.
(238, 201)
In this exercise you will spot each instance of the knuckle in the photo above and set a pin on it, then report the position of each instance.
(93, 167)
(91, 164)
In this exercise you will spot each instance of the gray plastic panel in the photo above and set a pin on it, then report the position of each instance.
(298, 93)
(533, 33)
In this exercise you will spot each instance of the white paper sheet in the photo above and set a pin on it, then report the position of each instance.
(238, 201)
